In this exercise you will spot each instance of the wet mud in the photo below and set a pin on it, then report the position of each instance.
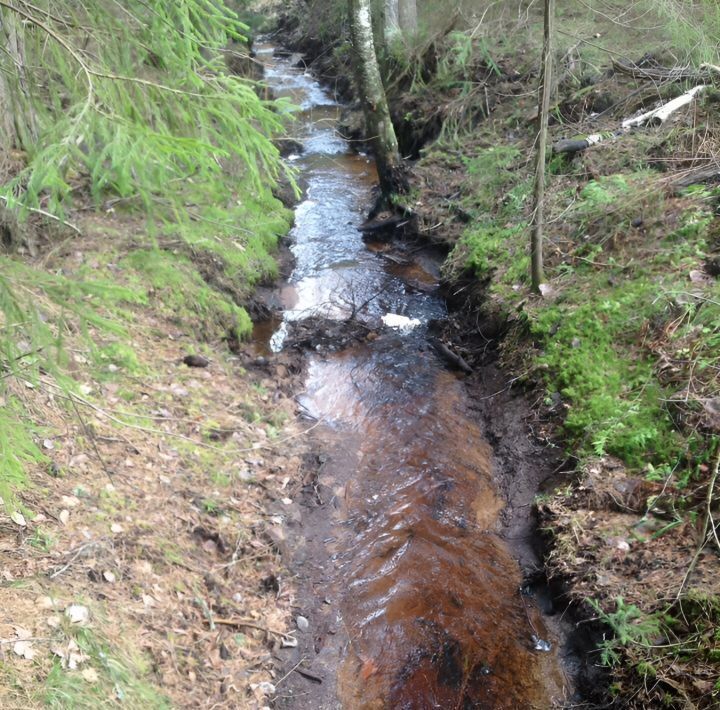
(411, 565)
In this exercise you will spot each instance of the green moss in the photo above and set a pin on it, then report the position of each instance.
(177, 289)
(487, 247)
(118, 354)
(588, 345)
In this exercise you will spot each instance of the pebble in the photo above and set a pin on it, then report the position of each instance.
(302, 623)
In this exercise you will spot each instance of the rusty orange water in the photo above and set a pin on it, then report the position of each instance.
(429, 594)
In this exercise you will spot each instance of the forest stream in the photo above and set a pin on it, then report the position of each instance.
(414, 598)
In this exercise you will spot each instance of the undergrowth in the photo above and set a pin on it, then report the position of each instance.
(120, 678)
(625, 345)
(134, 111)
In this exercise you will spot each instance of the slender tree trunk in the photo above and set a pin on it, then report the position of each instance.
(392, 19)
(372, 94)
(407, 16)
(18, 122)
(538, 220)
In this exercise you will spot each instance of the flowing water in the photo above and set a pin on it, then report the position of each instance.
(423, 605)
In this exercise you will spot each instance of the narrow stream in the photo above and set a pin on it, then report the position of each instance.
(419, 596)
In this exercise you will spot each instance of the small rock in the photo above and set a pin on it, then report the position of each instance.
(302, 623)
(196, 361)
(18, 518)
(77, 614)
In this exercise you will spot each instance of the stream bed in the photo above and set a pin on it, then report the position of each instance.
(413, 595)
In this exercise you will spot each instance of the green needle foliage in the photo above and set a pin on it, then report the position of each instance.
(133, 102)
(630, 626)
(132, 99)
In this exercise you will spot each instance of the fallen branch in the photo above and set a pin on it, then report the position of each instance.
(74, 555)
(656, 117)
(660, 73)
(577, 145)
(453, 358)
(696, 176)
(711, 498)
(49, 215)
(707, 534)
(243, 623)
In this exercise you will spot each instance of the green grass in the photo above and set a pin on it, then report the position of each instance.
(18, 449)
(123, 679)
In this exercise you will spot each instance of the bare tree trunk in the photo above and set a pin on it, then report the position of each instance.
(18, 122)
(407, 16)
(538, 219)
(392, 19)
(372, 94)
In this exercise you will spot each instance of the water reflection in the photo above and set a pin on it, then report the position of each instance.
(429, 591)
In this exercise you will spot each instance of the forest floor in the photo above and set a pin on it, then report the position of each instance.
(141, 565)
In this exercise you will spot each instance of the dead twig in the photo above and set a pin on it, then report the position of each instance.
(249, 624)
(706, 535)
(49, 215)
(709, 500)
(75, 554)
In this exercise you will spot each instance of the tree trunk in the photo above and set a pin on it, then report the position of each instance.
(392, 19)
(18, 122)
(407, 15)
(538, 219)
(372, 94)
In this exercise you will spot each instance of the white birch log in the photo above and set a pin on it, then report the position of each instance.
(658, 116)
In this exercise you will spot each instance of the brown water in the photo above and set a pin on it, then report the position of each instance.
(425, 592)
